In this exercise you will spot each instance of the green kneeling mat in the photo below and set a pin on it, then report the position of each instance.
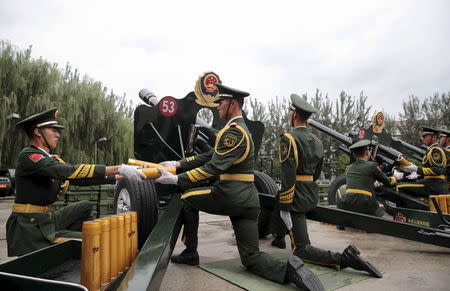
(233, 272)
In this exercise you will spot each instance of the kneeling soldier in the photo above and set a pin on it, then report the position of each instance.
(231, 163)
(444, 140)
(40, 177)
(361, 175)
(433, 168)
(301, 156)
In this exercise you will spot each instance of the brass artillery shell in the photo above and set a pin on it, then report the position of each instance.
(133, 162)
(91, 255)
(127, 239)
(443, 203)
(105, 254)
(134, 236)
(403, 161)
(153, 173)
(114, 236)
(448, 203)
(430, 203)
(121, 244)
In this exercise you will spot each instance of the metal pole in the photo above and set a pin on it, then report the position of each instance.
(95, 152)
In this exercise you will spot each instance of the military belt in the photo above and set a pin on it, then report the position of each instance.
(358, 191)
(442, 177)
(28, 208)
(238, 177)
(304, 178)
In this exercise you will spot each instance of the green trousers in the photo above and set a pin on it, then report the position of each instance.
(301, 245)
(245, 226)
(27, 232)
(361, 203)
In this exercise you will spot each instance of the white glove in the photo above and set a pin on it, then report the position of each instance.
(169, 163)
(286, 217)
(166, 177)
(412, 176)
(131, 172)
(398, 175)
(410, 168)
(377, 184)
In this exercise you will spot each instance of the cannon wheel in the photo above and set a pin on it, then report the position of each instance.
(339, 184)
(265, 184)
(139, 196)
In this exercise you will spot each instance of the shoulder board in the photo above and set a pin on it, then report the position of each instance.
(36, 157)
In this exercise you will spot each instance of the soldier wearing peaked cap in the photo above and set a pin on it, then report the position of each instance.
(231, 163)
(301, 156)
(40, 177)
(444, 140)
(361, 175)
(432, 171)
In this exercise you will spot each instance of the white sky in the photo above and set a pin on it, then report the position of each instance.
(388, 49)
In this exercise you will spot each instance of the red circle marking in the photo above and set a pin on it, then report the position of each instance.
(168, 106)
(361, 134)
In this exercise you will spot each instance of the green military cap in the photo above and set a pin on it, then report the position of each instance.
(41, 120)
(300, 103)
(429, 130)
(360, 144)
(444, 132)
(228, 92)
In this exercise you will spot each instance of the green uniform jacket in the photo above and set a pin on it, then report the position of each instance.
(359, 194)
(447, 171)
(231, 163)
(301, 154)
(38, 182)
(433, 169)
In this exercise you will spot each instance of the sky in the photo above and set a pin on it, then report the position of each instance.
(387, 49)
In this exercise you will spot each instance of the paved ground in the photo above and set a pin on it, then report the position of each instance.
(406, 265)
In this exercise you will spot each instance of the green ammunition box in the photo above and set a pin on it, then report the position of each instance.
(57, 206)
(106, 207)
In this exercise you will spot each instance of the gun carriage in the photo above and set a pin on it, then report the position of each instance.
(171, 129)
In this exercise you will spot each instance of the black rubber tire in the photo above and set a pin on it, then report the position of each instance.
(144, 201)
(334, 186)
(265, 184)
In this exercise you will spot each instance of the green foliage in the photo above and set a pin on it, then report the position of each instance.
(87, 110)
(433, 111)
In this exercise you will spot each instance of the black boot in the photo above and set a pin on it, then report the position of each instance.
(187, 258)
(351, 258)
(303, 278)
(279, 242)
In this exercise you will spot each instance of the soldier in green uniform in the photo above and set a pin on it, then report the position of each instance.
(361, 176)
(432, 170)
(40, 177)
(233, 194)
(444, 141)
(301, 156)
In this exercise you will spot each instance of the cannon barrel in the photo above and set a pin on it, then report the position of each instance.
(420, 152)
(385, 153)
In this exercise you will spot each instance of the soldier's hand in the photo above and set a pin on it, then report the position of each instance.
(286, 217)
(412, 176)
(169, 163)
(166, 177)
(131, 172)
(398, 175)
(410, 168)
(377, 184)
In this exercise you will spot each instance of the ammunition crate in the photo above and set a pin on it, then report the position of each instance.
(57, 206)
(106, 207)
(78, 196)
(107, 192)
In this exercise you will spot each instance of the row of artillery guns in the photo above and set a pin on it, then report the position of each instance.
(388, 158)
